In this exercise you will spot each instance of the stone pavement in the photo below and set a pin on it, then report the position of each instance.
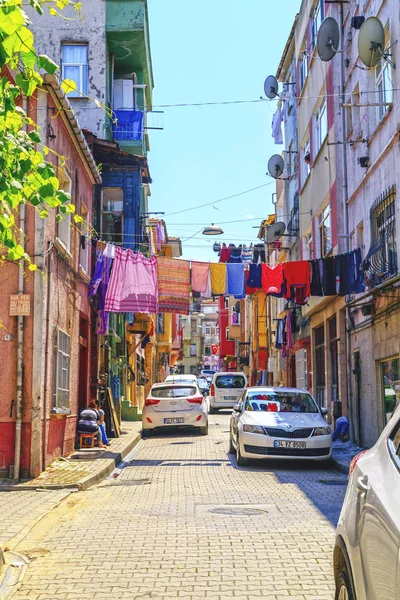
(342, 455)
(179, 519)
(80, 473)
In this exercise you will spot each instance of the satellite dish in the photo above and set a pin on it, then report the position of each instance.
(271, 87)
(275, 166)
(371, 41)
(274, 232)
(328, 39)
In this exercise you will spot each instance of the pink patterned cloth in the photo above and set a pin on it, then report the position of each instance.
(200, 272)
(133, 283)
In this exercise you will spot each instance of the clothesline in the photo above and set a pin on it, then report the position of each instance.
(128, 282)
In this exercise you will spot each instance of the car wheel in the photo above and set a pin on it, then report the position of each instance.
(213, 411)
(343, 586)
(146, 433)
(204, 430)
(240, 461)
(232, 448)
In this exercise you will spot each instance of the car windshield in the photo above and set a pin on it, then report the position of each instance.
(173, 392)
(280, 402)
(203, 385)
(230, 381)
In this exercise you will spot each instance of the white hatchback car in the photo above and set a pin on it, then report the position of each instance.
(181, 378)
(279, 422)
(175, 404)
(367, 548)
(226, 389)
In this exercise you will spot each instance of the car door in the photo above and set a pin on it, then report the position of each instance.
(378, 485)
(236, 415)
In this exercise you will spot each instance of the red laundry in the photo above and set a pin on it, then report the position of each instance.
(272, 278)
(225, 253)
(297, 273)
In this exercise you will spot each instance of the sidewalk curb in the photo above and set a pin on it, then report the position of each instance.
(341, 467)
(11, 578)
(86, 482)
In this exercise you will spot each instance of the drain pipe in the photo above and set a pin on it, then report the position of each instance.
(346, 235)
(20, 350)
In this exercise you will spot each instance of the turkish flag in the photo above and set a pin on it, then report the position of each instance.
(215, 349)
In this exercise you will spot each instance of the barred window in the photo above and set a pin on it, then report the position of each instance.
(381, 260)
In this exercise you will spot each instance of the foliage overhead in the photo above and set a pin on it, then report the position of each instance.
(26, 177)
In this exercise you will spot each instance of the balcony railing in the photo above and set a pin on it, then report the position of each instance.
(293, 227)
(129, 125)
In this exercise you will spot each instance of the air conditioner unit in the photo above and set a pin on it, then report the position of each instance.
(368, 309)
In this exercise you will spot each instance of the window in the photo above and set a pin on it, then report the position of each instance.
(230, 382)
(64, 225)
(317, 18)
(319, 357)
(308, 247)
(193, 350)
(210, 309)
(305, 161)
(62, 366)
(112, 214)
(227, 333)
(390, 374)
(381, 260)
(208, 330)
(325, 237)
(160, 323)
(303, 69)
(301, 368)
(383, 82)
(84, 245)
(394, 444)
(360, 236)
(75, 66)
(207, 350)
(226, 302)
(321, 124)
(334, 356)
(280, 402)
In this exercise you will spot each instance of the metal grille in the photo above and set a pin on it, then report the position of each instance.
(293, 227)
(282, 433)
(381, 260)
(287, 451)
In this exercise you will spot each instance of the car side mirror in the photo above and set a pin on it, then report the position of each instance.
(236, 408)
(324, 411)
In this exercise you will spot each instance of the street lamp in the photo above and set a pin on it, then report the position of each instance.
(212, 230)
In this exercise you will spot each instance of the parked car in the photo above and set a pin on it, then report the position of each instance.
(207, 372)
(175, 404)
(203, 385)
(181, 378)
(226, 389)
(270, 422)
(367, 549)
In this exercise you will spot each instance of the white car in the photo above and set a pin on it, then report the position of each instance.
(226, 389)
(181, 378)
(279, 422)
(175, 404)
(367, 548)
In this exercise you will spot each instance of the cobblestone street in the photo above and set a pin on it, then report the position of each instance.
(181, 520)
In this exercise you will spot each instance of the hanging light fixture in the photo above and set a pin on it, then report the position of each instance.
(212, 230)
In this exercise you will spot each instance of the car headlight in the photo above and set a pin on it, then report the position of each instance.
(322, 431)
(253, 429)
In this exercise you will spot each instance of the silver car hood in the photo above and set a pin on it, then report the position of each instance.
(275, 419)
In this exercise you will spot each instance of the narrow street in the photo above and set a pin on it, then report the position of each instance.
(181, 520)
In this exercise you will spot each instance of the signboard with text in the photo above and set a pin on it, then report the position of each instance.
(20, 305)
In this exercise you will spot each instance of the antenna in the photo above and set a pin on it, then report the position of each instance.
(275, 166)
(271, 87)
(328, 39)
(274, 232)
(371, 42)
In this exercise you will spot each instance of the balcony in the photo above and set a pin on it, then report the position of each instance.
(293, 227)
(129, 126)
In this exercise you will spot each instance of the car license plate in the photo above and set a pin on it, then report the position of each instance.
(229, 397)
(173, 421)
(284, 444)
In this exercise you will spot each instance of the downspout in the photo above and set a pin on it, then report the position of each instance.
(46, 357)
(20, 351)
(346, 231)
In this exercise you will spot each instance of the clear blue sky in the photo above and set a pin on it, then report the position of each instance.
(214, 51)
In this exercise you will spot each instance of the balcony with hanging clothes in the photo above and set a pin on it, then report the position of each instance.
(129, 114)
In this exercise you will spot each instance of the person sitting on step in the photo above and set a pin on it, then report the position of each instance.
(88, 422)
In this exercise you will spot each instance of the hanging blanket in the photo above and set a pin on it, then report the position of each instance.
(133, 283)
(218, 278)
(200, 272)
(173, 285)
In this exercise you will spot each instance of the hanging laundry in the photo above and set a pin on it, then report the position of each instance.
(342, 266)
(235, 254)
(109, 251)
(99, 285)
(254, 279)
(329, 276)
(247, 254)
(160, 235)
(277, 127)
(97, 274)
(297, 273)
(173, 285)
(225, 253)
(272, 280)
(207, 293)
(133, 283)
(152, 237)
(200, 272)
(356, 279)
(289, 333)
(258, 253)
(218, 278)
(316, 288)
(235, 280)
